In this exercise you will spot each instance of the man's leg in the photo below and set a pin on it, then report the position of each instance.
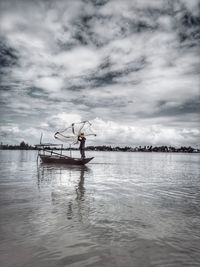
(82, 153)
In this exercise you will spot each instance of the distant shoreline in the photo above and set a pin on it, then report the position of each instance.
(186, 152)
(165, 149)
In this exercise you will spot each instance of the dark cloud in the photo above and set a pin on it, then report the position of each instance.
(97, 3)
(188, 27)
(105, 76)
(167, 109)
(35, 92)
(8, 57)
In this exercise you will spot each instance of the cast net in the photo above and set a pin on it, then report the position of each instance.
(71, 133)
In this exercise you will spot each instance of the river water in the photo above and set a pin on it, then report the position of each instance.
(123, 209)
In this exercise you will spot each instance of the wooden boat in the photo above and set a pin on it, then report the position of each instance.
(60, 159)
(48, 155)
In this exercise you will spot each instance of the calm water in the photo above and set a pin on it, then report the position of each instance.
(123, 209)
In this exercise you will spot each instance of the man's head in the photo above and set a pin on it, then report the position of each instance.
(82, 134)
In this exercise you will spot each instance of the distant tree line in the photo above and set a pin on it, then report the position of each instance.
(21, 146)
(184, 149)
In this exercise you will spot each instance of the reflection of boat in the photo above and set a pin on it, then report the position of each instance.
(68, 192)
(47, 155)
(61, 159)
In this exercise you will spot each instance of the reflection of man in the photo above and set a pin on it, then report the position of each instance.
(82, 139)
(80, 190)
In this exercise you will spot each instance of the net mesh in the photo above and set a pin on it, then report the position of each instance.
(71, 133)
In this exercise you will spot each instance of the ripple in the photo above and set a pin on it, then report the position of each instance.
(123, 209)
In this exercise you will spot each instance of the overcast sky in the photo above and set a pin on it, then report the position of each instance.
(131, 67)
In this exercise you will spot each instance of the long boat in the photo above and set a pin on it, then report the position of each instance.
(60, 159)
(47, 155)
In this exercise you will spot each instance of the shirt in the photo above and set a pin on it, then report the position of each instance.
(82, 142)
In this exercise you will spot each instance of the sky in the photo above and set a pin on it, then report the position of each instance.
(130, 67)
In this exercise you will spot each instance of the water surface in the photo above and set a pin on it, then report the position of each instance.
(122, 209)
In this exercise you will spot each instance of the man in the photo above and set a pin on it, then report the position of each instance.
(81, 139)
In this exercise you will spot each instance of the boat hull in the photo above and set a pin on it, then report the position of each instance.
(64, 160)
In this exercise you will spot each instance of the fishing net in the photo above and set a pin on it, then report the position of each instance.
(71, 133)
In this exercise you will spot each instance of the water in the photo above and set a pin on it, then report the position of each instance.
(123, 209)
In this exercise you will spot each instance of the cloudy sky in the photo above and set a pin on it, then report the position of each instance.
(131, 67)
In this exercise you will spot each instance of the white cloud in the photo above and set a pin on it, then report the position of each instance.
(63, 120)
(49, 83)
(119, 134)
(108, 132)
(78, 61)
